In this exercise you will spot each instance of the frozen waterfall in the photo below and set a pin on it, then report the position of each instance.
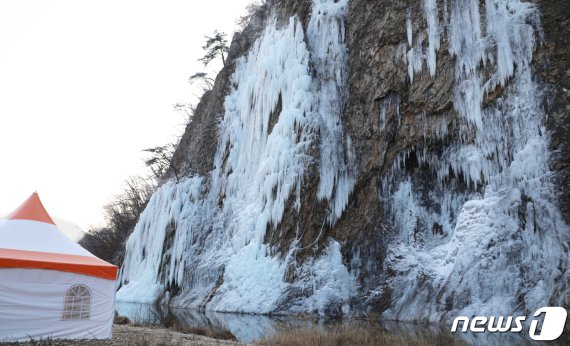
(496, 247)
(204, 236)
(476, 226)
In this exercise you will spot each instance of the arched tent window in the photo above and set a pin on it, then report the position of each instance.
(77, 303)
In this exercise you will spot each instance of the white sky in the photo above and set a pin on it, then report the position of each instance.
(86, 85)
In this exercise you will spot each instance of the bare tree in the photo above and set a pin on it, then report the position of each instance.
(187, 110)
(202, 78)
(161, 160)
(121, 215)
(216, 45)
(254, 12)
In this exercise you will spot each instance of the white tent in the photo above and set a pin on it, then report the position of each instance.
(50, 287)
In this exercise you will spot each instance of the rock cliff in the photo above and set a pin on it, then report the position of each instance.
(399, 158)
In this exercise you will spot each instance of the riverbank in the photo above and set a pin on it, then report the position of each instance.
(137, 335)
(133, 335)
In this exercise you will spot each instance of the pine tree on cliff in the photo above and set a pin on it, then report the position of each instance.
(216, 45)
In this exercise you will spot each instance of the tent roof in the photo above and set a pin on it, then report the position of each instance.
(30, 239)
(32, 209)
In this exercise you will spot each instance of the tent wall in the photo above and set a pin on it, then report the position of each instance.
(32, 300)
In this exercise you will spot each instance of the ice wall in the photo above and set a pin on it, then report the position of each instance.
(146, 256)
(326, 35)
(485, 236)
(204, 237)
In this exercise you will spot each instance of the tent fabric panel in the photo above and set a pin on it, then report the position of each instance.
(87, 265)
(37, 236)
(31, 301)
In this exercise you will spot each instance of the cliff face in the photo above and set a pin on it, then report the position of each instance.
(353, 149)
(442, 115)
(552, 65)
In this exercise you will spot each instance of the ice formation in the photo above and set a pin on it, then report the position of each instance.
(417, 54)
(179, 206)
(496, 247)
(478, 231)
(204, 238)
(326, 33)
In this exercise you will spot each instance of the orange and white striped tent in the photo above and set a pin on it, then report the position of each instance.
(51, 287)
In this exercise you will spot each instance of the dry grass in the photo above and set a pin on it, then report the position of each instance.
(143, 340)
(351, 335)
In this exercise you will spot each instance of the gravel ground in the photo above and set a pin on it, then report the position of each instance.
(138, 336)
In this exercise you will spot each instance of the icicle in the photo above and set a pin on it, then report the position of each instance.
(326, 33)
(409, 27)
(430, 8)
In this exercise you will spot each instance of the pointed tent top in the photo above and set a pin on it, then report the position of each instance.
(29, 239)
(32, 209)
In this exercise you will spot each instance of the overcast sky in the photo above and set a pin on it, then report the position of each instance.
(86, 85)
